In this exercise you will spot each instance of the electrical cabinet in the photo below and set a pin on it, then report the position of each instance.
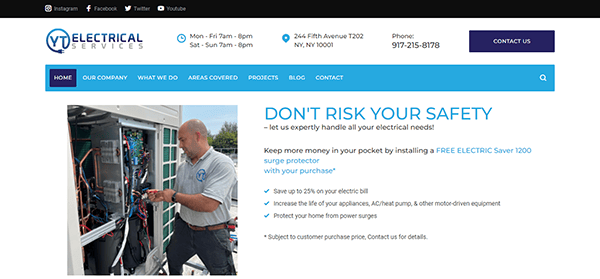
(117, 154)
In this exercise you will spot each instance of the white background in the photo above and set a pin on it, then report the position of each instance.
(547, 225)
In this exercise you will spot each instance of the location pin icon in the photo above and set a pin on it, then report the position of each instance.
(285, 37)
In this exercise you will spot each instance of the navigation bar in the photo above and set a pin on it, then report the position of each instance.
(300, 78)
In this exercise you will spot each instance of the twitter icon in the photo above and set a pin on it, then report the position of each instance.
(127, 8)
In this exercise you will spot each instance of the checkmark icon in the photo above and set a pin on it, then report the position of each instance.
(267, 190)
(267, 215)
(266, 203)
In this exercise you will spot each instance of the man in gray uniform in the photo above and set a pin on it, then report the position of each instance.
(203, 188)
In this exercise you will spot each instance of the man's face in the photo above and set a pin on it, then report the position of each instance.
(187, 142)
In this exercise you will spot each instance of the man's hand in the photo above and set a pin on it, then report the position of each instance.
(159, 196)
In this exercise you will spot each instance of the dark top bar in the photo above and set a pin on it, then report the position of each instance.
(225, 9)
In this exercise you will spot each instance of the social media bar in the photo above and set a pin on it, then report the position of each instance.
(111, 10)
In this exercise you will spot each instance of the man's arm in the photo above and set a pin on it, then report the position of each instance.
(196, 202)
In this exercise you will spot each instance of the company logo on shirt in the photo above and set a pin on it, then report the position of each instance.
(201, 175)
(58, 40)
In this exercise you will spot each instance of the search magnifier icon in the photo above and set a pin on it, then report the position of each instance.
(543, 77)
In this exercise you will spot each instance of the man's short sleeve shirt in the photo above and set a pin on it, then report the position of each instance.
(213, 176)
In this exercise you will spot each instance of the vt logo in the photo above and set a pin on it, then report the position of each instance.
(201, 175)
(58, 40)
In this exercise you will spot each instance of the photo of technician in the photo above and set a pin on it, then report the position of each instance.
(204, 185)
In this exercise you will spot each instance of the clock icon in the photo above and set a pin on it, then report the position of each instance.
(181, 38)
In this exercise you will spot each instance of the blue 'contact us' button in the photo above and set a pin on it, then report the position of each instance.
(511, 41)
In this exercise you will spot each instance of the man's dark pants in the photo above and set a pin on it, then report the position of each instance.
(212, 247)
